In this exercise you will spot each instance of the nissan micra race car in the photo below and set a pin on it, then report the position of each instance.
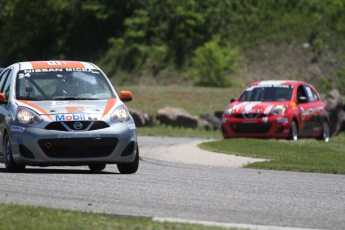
(64, 113)
(276, 109)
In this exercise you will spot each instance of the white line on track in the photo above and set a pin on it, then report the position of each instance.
(228, 225)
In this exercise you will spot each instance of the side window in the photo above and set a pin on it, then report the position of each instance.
(3, 78)
(312, 96)
(5, 88)
(301, 92)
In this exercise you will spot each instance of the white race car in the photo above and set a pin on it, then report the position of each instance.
(64, 113)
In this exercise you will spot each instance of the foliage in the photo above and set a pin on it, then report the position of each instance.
(213, 64)
(148, 36)
(23, 27)
(326, 85)
(339, 79)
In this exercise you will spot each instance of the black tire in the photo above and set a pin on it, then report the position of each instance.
(129, 168)
(97, 167)
(293, 134)
(10, 165)
(325, 132)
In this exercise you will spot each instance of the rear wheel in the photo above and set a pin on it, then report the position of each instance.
(129, 168)
(97, 167)
(10, 165)
(293, 134)
(325, 132)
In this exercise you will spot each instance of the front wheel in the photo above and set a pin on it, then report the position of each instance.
(293, 134)
(129, 168)
(325, 132)
(10, 165)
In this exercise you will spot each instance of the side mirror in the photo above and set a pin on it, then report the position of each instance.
(2, 99)
(232, 100)
(126, 96)
(302, 99)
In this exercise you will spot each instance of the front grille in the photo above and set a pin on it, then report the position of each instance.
(251, 128)
(78, 147)
(250, 115)
(69, 125)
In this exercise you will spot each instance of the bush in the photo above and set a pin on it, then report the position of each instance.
(213, 64)
(340, 80)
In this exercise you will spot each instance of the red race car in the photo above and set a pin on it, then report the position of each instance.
(277, 109)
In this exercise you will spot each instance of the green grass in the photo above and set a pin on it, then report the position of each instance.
(38, 218)
(195, 100)
(303, 155)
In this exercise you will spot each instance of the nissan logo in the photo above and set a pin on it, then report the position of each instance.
(78, 125)
(251, 114)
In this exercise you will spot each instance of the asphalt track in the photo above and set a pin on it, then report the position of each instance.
(166, 190)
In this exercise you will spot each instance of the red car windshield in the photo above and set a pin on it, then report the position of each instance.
(267, 93)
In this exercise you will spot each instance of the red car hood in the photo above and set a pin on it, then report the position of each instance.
(255, 107)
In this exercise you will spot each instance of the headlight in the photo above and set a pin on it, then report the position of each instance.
(27, 116)
(279, 110)
(229, 110)
(120, 114)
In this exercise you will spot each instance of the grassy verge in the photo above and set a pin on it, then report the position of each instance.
(195, 100)
(303, 155)
(30, 217)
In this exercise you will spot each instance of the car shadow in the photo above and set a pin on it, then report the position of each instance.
(62, 170)
(58, 171)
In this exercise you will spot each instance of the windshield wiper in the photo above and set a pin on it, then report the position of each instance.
(74, 98)
(28, 98)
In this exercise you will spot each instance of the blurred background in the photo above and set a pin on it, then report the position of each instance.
(212, 43)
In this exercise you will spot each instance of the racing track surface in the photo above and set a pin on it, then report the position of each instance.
(184, 191)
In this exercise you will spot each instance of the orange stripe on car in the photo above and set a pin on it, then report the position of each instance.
(36, 107)
(74, 109)
(56, 64)
(110, 104)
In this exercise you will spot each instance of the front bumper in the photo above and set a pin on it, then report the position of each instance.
(266, 127)
(41, 147)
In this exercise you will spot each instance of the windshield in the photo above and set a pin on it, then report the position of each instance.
(267, 93)
(62, 84)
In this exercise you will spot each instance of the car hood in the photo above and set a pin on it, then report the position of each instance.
(255, 107)
(70, 107)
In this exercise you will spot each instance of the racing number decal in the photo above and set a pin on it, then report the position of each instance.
(55, 63)
(50, 64)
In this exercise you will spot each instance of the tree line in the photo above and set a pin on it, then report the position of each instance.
(203, 39)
